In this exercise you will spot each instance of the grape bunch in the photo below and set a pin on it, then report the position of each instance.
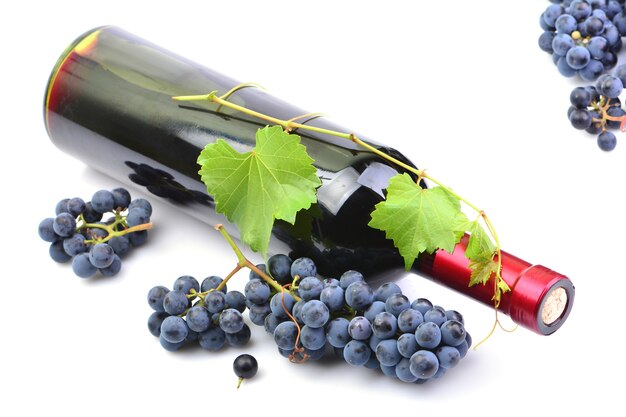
(583, 36)
(191, 312)
(382, 329)
(81, 233)
(596, 109)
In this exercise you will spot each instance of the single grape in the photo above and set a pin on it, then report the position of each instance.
(562, 43)
(138, 238)
(609, 86)
(102, 201)
(448, 356)
(330, 282)
(257, 291)
(407, 345)
(236, 300)
(215, 301)
(311, 338)
(120, 245)
(271, 322)
(607, 141)
(356, 353)
(75, 206)
(315, 313)
(185, 284)
(350, 277)
(424, 364)
(384, 325)
(154, 322)
(396, 304)
(296, 311)
(82, 266)
(211, 283)
(360, 328)
(303, 267)
(545, 41)
(552, 13)
(198, 319)
(564, 68)
(428, 335)
(435, 315)
(403, 371)
(359, 295)
(121, 198)
(285, 335)
(580, 97)
(422, 305)
(174, 329)
(281, 303)
(137, 216)
(409, 319)
(245, 367)
(592, 71)
(175, 302)
(386, 290)
(310, 288)
(46, 230)
(598, 46)
(565, 24)
(142, 204)
(463, 348)
(374, 309)
(387, 352)
(57, 253)
(337, 332)
(580, 9)
(280, 268)
(74, 245)
(258, 312)
(239, 339)
(156, 295)
(64, 225)
(231, 321)
(61, 206)
(332, 297)
(580, 119)
(454, 315)
(170, 347)
(101, 255)
(90, 215)
(452, 332)
(594, 26)
(112, 269)
(212, 339)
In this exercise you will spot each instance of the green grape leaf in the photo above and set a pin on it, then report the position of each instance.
(482, 270)
(418, 219)
(479, 247)
(273, 181)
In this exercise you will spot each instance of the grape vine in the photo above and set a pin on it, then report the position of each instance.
(433, 215)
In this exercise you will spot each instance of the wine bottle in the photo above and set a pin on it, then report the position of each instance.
(109, 103)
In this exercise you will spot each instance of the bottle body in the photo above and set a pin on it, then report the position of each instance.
(109, 103)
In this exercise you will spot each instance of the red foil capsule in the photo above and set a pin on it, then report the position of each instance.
(540, 299)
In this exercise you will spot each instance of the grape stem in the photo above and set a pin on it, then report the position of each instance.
(499, 285)
(243, 262)
(110, 228)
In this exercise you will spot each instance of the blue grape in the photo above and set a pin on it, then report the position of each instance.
(121, 198)
(330, 282)
(120, 245)
(101, 255)
(545, 41)
(594, 26)
(46, 230)
(580, 97)
(211, 283)
(386, 290)
(356, 353)
(236, 300)
(254, 275)
(448, 356)
(620, 72)
(75, 206)
(310, 288)
(609, 60)
(239, 339)
(578, 57)
(112, 269)
(384, 325)
(373, 342)
(82, 266)
(403, 371)
(580, 9)
(409, 319)
(428, 335)
(296, 311)
(350, 277)
(455, 315)
(191, 336)
(313, 338)
(337, 332)
(102, 201)
(285, 335)
(271, 322)
(359, 295)
(215, 301)
(170, 347)
(174, 329)
(57, 253)
(390, 371)
(277, 301)
(175, 302)
(580, 119)
(231, 321)
(564, 68)
(64, 225)
(374, 309)
(592, 71)
(138, 238)
(137, 216)
(258, 312)
(435, 315)
(422, 305)
(212, 339)
(303, 267)
(257, 291)
(154, 322)
(185, 284)
(279, 267)
(315, 313)
(552, 13)
(565, 24)
(360, 328)
(142, 204)
(372, 363)
(424, 364)
(396, 304)
(597, 47)
(407, 345)
(198, 319)
(333, 297)
(285, 353)
(463, 348)
(562, 43)
(609, 86)
(156, 295)
(74, 245)
(452, 332)
(607, 141)
(90, 215)
(61, 206)
(387, 352)
(615, 112)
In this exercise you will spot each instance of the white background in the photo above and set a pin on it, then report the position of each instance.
(460, 87)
